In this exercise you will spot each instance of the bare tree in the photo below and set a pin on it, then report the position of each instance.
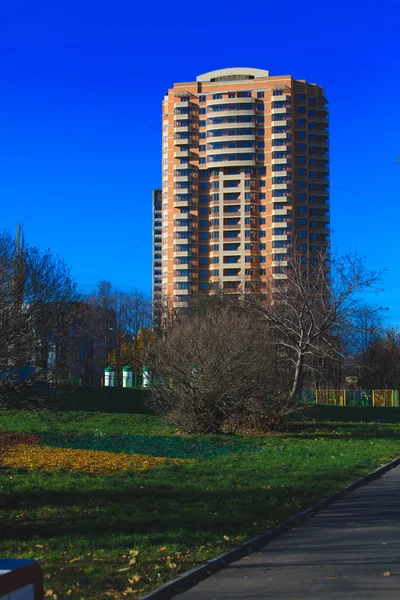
(105, 327)
(38, 302)
(136, 318)
(218, 366)
(311, 306)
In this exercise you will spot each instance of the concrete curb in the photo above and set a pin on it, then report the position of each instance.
(190, 578)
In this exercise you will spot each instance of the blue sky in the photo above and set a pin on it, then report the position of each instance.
(80, 113)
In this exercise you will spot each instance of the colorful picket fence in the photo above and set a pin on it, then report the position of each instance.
(352, 397)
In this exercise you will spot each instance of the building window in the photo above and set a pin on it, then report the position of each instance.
(260, 119)
(301, 110)
(301, 135)
(202, 161)
(302, 222)
(217, 96)
(301, 147)
(260, 157)
(302, 184)
(203, 286)
(260, 145)
(301, 97)
(202, 98)
(277, 93)
(231, 95)
(261, 196)
(302, 234)
(312, 101)
(203, 236)
(260, 94)
(302, 172)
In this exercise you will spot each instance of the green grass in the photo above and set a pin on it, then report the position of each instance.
(81, 528)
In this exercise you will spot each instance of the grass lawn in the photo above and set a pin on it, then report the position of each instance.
(120, 533)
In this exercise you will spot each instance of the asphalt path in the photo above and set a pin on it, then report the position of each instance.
(350, 550)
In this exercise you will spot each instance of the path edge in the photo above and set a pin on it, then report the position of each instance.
(190, 578)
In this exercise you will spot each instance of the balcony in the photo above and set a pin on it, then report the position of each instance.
(232, 138)
(284, 148)
(181, 278)
(185, 153)
(281, 136)
(187, 177)
(282, 161)
(227, 150)
(182, 141)
(282, 211)
(180, 304)
(232, 112)
(286, 173)
(231, 163)
(281, 186)
(184, 203)
(230, 124)
(282, 123)
(324, 218)
(282, 110)
(236, 100)
(230, 226)
(185, 128)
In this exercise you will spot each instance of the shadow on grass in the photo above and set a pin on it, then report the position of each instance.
(158, 511)
(340, 430)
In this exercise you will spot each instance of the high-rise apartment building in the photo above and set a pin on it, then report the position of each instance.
(156, 257)
(245, 176)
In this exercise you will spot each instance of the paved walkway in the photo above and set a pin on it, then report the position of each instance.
(341, 552)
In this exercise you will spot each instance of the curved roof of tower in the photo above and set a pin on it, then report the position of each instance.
(233, 74)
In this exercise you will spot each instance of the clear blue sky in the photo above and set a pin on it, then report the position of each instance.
(80, 113)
